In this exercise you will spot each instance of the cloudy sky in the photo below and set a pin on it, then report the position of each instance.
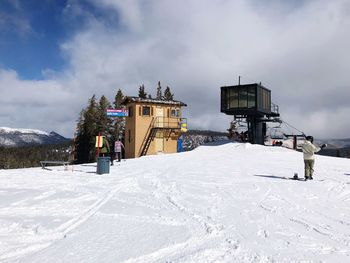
(55, 54)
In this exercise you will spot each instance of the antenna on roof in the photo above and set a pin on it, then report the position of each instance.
(239, 80)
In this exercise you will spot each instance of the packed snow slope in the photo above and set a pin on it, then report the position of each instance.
(219, 203)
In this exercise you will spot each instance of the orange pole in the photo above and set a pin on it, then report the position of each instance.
(98, 145)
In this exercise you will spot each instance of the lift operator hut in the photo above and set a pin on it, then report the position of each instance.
(251, 102)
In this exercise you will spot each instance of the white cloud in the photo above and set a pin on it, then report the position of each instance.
(13, 23)
(46, 105)
(195, 47)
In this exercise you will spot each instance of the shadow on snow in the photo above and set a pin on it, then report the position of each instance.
(271, 176)
(278, 177)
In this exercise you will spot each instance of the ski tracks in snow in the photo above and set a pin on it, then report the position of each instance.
(77, 221)
(205, 231)
(209, 208)
(172, 195)
(43, 239)
(314, 237)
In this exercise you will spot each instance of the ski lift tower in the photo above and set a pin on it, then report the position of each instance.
(252, 103)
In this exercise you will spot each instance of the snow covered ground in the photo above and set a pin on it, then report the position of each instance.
(219, 203)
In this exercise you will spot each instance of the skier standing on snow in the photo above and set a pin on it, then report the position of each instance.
(309, 150)
(118, 149)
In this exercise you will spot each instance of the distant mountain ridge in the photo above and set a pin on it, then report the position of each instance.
(334, 143)
(10, 137)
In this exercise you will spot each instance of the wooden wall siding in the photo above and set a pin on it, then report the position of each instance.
(138, 125)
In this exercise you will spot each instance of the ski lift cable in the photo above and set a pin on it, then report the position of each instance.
(293, 127)
(290, 131)
(285, 129)
(289, 127)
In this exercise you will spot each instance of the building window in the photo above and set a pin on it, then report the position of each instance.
(243, 98)
(130, 112)
(146, 111)
(233, 98)
(175, 113)
(224, 104)
(251, 97)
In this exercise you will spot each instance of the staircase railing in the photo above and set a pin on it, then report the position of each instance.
(160, 123)
(144, 143)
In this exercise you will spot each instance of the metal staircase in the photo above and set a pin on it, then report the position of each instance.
(158, 124)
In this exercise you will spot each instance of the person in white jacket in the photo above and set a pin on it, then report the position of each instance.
(309, 150)
(118, 149)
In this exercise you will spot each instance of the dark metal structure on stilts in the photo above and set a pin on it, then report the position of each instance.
(252, 103)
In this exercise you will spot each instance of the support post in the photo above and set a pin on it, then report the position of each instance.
(98, 144)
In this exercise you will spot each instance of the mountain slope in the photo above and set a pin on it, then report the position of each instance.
(218, 203)
(27, 137)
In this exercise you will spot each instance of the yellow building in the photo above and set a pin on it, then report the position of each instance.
(152, 126)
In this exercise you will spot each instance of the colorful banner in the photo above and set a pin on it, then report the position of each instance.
(117, 113)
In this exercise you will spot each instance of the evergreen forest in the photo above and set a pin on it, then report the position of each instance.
(92, 121)
(30, 156)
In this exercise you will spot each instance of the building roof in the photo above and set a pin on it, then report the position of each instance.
(129, 99)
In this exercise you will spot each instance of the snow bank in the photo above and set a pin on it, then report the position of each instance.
(222, 202)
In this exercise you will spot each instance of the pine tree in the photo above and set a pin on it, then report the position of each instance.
(142, 93)
(104, 123)
(86, 132)
(159, 92)
(119, 122)
(94, 120)
(90, 116)
(118, 99)
(168, 95)
(80, 151)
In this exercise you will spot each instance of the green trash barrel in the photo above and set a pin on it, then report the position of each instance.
(103, 165)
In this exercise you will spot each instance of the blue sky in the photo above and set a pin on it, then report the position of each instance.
(31, 35)
(32, 32)
(54, 55)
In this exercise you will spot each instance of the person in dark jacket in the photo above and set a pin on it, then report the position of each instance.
(105, 149)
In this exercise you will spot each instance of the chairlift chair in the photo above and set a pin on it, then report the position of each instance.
(276, 133)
